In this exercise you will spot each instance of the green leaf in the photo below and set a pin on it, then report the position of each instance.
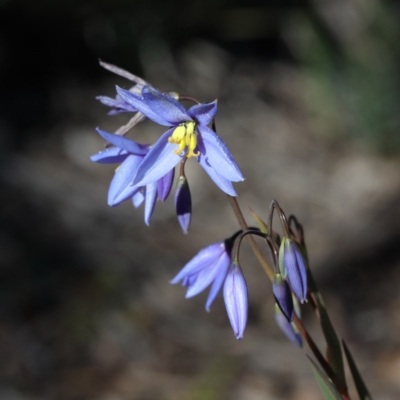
(362, 390)
(325, 384)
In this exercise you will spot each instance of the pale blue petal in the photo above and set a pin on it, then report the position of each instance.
(110, 156)
(160, 160)
(150, 202)
(165, 106)
(218, 154)
(224, 184)
(164, 185)
(219, 280)
(140, 104)
(122, 181)
(137, 199)
(236, 300)
(204, 113)
(203, 259)
(205, 277)
(124, 143)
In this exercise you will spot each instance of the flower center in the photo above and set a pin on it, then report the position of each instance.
(186, 136)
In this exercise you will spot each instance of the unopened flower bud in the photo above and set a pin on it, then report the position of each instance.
(292, 265)
(283, 296)
(236, 300)
(183, 203)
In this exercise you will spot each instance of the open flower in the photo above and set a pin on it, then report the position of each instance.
(130, 154)
(208, 267)
(188, 136)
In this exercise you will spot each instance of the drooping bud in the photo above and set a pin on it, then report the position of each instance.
(236, 300)
(288, 328)
(292, 265)
(183, 203)
(283, 296)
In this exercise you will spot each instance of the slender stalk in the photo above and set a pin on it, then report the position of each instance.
(243, 225)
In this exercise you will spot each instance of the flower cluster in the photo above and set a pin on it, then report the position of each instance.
(146, 171)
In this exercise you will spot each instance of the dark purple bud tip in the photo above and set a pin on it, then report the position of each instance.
(292, 264)
(183, 203)
(283, 296)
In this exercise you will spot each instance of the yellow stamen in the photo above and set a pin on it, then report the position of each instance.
(186, 136)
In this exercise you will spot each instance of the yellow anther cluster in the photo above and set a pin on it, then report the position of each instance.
(186, 136)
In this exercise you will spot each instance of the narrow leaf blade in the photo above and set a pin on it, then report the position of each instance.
(362, 390)
(335, 357)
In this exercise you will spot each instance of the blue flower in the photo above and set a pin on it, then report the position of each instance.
(236, 299)
(188, 136)
(131, 154)
(212, 266)
(208, 267)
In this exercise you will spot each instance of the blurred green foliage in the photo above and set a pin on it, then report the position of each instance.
(351, 78)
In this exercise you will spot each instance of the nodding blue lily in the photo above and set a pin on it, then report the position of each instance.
(188, 136)
(130, 154)
(212, 266)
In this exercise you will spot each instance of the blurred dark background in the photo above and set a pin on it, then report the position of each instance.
(309, 105)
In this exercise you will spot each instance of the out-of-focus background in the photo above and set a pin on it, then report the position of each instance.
(309, 96)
